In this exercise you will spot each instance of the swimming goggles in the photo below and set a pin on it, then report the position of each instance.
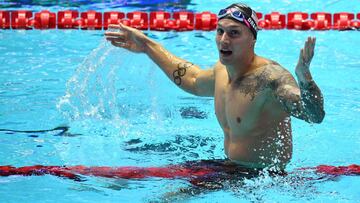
(236, 14)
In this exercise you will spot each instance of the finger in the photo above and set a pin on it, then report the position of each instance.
(306, 51)
(301, 56)
(119, 44)
(114, 26)
(115, 39)
(310, 48)
(307, 42)
(313, 46)
(118, 41)
(111, 36)
(125, 28)
(313, 42)
(122, 25)
(115, 34)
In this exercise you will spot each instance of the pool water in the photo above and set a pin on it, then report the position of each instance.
(119, 109)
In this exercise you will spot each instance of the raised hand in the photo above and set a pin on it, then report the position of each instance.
(306, 55)
(127, 38)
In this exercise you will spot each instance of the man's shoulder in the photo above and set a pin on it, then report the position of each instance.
(272, 66)
(273, 70)
(278, 76)
(219, 66)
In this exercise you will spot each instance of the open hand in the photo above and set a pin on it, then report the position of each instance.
(306, 55)
(127, 38)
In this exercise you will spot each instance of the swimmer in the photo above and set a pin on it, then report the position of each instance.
(254, 96)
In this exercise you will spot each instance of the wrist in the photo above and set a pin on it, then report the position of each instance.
(149, 45)
(304, 77)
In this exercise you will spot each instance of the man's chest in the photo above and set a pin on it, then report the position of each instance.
(239, 105)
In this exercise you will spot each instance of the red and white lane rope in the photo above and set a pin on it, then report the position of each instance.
(166, 21)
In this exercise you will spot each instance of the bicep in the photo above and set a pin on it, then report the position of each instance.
(205, 83)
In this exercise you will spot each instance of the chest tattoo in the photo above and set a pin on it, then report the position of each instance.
(253, 84)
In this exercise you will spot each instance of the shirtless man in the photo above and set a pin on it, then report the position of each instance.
(254, 96)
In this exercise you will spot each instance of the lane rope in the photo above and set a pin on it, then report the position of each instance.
(166, 21)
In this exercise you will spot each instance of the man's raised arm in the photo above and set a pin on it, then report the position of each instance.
(306, 102)
(186, 75)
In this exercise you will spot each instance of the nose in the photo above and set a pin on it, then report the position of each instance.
(224, 38)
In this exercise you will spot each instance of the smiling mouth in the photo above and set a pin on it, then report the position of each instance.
(225, 52)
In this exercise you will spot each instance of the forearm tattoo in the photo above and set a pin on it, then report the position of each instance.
(181, 66)
(180, 72)
(308, 105)
(312, 100)
(290, 102)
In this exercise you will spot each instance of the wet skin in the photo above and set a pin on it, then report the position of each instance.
(254, 96)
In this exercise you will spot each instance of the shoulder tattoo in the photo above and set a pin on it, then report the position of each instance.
(253, 84)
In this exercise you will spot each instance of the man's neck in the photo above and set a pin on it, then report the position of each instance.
(241, 68)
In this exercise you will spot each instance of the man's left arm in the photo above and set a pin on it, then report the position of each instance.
(304, 101)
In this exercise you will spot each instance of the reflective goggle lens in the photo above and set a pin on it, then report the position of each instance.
(234, 13)
(238, 15)
(222, 13)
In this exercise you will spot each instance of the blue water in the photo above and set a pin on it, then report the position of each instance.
(121, 110)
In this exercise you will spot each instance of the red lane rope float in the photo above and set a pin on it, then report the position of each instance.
(172, 171)
(298, 21)
(339, 170)
(126, 172)
(345, 20)
(273, 21)
(205, 21)
(21, 20)
(112, 17)
(67, 19)
(137, 20)
(322, 21)
(160, 20)
(4, 19)
(165, 21)
(45, 20)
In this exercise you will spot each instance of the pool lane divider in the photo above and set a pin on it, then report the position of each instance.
(195, 174)
(166, 21)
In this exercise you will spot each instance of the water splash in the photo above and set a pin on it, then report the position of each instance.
(91, 91)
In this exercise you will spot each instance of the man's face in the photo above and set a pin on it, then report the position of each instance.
(233, 40)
